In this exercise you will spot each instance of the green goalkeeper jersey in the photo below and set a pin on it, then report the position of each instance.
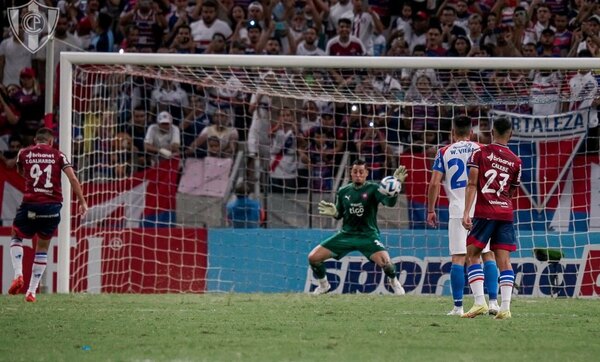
(357, 206)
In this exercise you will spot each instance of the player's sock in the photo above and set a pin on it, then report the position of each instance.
(475, 275)
(389, 270)
(457, 281)
(16, 256)
(490, 271)
(507, 279)
(319, 270)
(39, 266)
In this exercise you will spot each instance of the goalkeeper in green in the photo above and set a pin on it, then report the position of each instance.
(356, 203)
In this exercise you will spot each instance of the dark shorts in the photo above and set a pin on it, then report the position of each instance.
(37, 219)
(501, 234)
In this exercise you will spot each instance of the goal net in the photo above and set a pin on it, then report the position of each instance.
(170, 148)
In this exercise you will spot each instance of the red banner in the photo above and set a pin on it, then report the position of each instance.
(150, 260)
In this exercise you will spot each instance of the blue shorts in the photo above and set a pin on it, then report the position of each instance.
(501, 234)
(40, 219)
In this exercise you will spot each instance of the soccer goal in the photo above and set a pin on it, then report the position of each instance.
(288, 129)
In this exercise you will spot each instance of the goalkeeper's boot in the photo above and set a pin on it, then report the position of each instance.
(397, 287)
(456, 311)
(16, 285)
(476, 309)
(322, 288)
(503, 314)
(30, 297)
(494, 307)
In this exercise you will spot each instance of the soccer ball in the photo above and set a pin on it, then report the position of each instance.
(389, 186)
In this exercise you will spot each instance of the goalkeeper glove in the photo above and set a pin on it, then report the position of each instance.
(327, 208)
(401, 174)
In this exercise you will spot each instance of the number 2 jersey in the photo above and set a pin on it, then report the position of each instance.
(42, 165)
(499, 170)
(452, 162)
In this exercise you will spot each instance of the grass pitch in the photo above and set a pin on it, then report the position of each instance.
(291, 327)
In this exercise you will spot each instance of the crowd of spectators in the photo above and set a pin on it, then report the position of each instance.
(299, 145)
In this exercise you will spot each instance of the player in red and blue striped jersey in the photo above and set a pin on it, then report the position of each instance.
(494, 174)
(450, 165)
(39, 213)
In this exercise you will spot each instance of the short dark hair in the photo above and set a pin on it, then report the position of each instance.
(359, 162)
(502, 126)
(44, 134)
(461, 125)
(344, 21)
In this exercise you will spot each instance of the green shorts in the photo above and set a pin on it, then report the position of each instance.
(342, 243)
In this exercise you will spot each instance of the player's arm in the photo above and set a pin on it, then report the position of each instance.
(330, 209)
(76, 186)
(470, 193)
(433, 192)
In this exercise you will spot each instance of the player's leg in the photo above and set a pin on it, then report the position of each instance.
(374, 250)
(457, 236)
(503, 242)
(490, 272)
(481, 230)
(39, 266)
(331, 247)
(21, 229)
(16, 257)
(46, 219)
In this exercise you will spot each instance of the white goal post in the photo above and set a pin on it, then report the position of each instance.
(69, 60)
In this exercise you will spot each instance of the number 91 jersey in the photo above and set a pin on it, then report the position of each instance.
(499, 170)
(452, 162)
(41, 165)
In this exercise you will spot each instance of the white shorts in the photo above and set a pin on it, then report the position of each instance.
(457, 236)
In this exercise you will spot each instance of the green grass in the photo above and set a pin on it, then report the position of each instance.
(284, 327)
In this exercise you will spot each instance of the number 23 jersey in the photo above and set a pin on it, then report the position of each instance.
(499, 170)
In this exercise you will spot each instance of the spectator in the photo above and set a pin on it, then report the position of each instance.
(243, 212)
(9, 156)
(30, 104)
(218, 45)
(546, 46)
(545, 92)
(475, 27)
(169, 95)
(9, 115)
(137, 129)
(365, 25)
(204, 29)
(563, 36)
(482, 132)
(419, 30)
(321, 156)
(460, 47)
(123, 156)
(434, 42)
(310, 116)
(543, 16)
(284, 153)
(194, 122)
(448, 26)
(146, 16)
(344, 43)
(163, 139)
(222, 131)
(308, 43)
(104, 40)
(183, 42)
(343, 9)
(13, 57)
